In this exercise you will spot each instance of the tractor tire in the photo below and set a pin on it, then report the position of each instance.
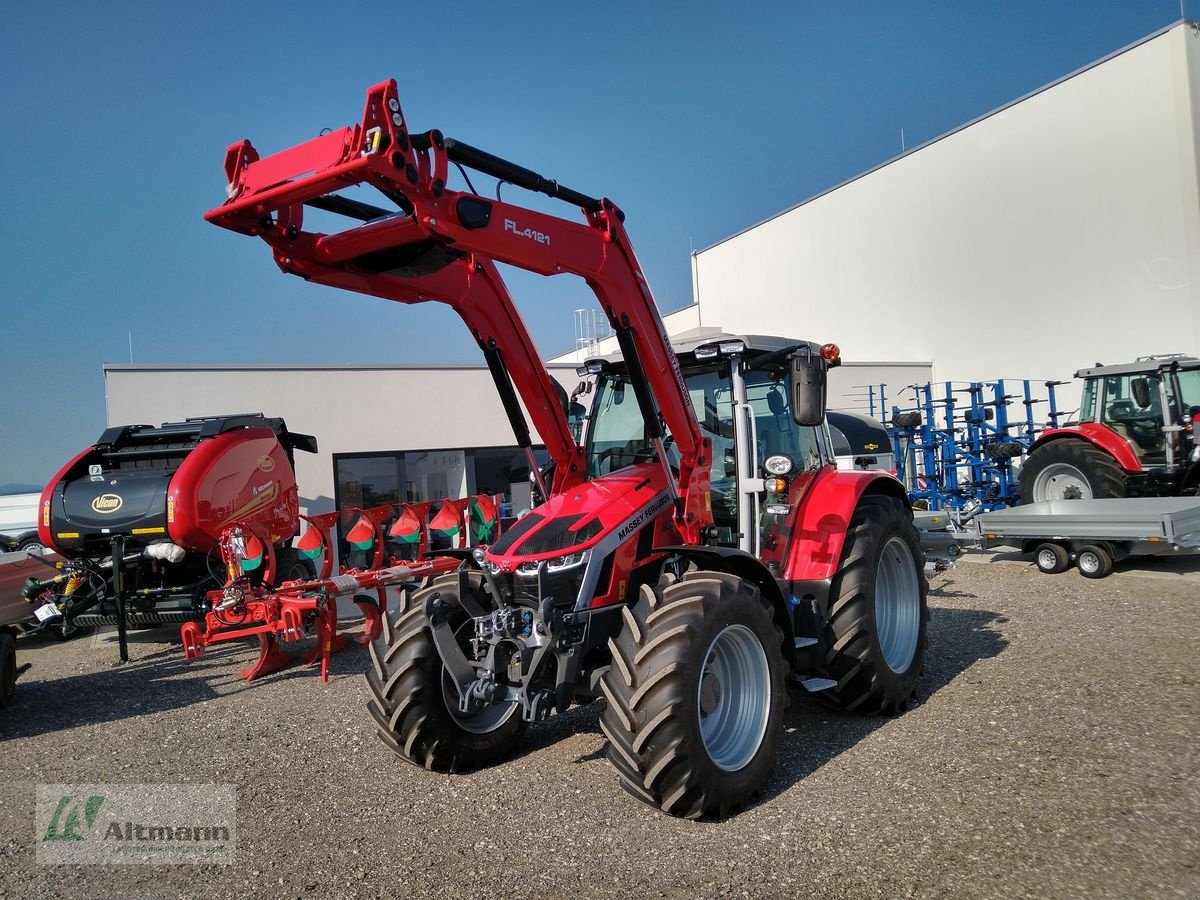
(876, 626)
(696, 695)
(8, 669)
(415, 708)
(1068, 469)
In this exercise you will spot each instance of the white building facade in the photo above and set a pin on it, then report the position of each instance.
(1059, 230)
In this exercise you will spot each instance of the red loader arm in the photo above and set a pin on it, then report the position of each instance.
(441, 246)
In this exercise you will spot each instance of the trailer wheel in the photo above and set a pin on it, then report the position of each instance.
(8, 669)
(1052, 559)
(1094, 561)
(695, 695)
(414, 705)
(1069, 469)
(875, 628)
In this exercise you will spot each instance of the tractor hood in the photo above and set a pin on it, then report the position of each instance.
(579, 519)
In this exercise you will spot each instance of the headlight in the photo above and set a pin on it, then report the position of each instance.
(555, 564)
(778, 465)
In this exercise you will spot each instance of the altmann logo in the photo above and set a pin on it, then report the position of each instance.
(136, 824)
(539, 236)
(107, 503)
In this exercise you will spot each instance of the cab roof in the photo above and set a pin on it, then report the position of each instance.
(1141, 364)
(686, 342)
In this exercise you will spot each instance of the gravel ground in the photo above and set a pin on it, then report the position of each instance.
(1052, 752)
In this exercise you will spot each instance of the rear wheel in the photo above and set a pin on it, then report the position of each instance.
(1052, 559)
(8, 669)
(1094, 561)
(414, 704)
(875, 628)
(1068, 469)
(695, 695)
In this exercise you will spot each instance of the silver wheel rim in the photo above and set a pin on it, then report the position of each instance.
(733, 697)
(486, 720)
(1047, 559)
(1089, 562)
(1061, 481)
(897, 605)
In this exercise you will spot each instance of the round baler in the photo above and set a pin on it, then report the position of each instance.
(157, 499)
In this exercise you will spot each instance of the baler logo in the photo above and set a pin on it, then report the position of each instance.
(107, 503)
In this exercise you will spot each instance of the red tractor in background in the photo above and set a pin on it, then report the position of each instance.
(1135, 436)
(697, 545)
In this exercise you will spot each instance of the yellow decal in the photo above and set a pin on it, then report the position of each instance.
(67, 534)
(621, 588)
(870, 446)
(708, 501)
(263, 500)
(158, 530)
(170, 509)
(107, 503)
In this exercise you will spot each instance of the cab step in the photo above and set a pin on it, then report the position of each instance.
(813, 685)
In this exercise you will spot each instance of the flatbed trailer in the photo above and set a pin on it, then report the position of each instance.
(1092, 534)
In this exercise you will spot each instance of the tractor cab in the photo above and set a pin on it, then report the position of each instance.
(1151, 403)
(741, 390)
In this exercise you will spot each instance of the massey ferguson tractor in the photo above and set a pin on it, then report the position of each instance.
(697, 548)
(1135, 436)
(138, 516)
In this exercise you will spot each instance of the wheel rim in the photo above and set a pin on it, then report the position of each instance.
(1061, 481)
(1089, 562)
(1047, 559)
(733, 697)
(897, 605)
(486, 720)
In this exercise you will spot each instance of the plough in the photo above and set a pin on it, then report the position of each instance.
(249, 605)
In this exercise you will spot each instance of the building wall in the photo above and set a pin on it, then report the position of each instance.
(1055, 232)
(350, 409)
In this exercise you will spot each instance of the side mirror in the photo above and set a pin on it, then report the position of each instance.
(1140, 388)
(808, 388)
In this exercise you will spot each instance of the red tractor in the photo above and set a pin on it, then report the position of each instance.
(1134, 437)
(697, 548)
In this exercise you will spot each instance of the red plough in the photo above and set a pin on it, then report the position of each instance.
(294, 610)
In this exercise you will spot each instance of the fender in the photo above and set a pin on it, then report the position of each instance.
(824, 513)
(1099, 435)
(748, 568)
(45, 532)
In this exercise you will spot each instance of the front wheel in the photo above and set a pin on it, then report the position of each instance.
(695, 695)
(413, 702)
(875, 628)
(1070, 469)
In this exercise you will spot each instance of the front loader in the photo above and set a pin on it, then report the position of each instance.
(697, 547)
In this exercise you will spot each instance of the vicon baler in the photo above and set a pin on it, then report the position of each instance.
(156, 500)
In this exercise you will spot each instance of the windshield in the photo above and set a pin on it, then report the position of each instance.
(617, 436)
(1189, 390)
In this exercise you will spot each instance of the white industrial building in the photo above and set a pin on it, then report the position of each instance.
(1056, 231)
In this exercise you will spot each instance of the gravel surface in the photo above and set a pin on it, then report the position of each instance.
(1052, 752)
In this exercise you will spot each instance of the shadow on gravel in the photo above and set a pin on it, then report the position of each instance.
(815, 734)
(153, 681)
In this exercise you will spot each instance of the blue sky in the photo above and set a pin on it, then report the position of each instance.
(698, 119)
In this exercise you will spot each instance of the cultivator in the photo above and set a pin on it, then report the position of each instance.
(251, 604)
(957, 452)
